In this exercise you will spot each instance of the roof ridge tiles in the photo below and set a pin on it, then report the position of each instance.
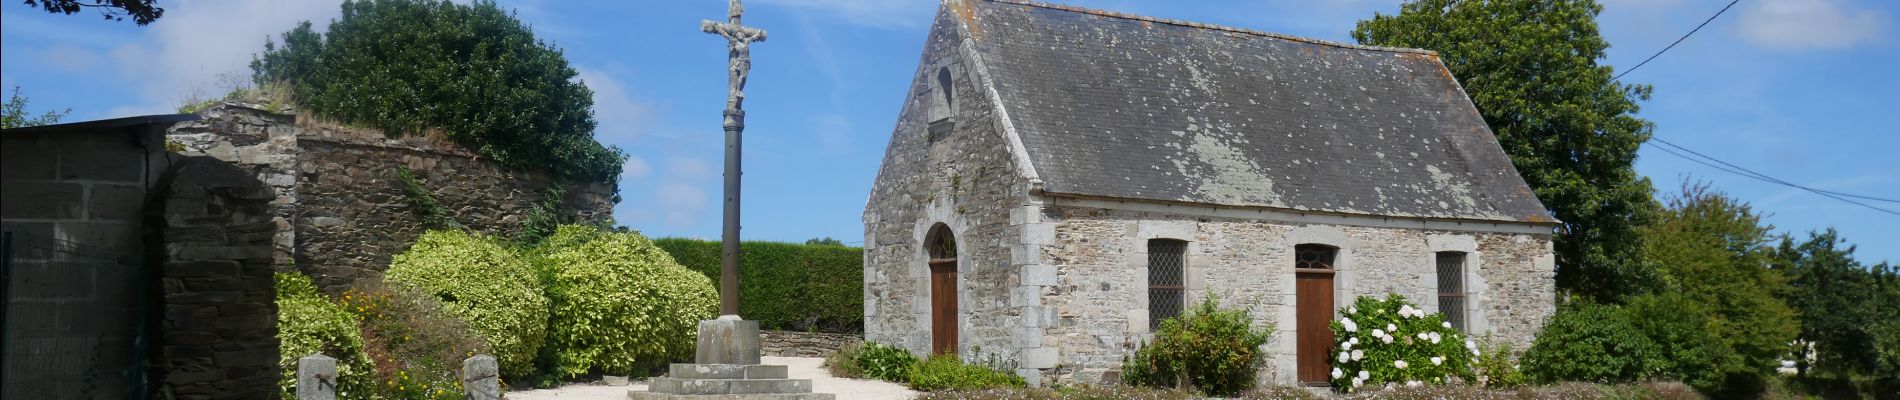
(1198, 25)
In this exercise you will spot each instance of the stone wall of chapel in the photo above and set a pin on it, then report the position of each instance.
(1100, 305)
(965, 178)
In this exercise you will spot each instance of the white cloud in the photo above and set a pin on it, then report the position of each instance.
(888, 14)
(634, 168)
(680, 203)
(621, 118)
(1810, 24)
(203, 46)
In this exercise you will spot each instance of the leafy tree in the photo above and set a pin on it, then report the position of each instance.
(1840, 302)
(1531, 68)
(13, 114)
(1714, 251)
(824, 241)
(142, 11)
(473, 73)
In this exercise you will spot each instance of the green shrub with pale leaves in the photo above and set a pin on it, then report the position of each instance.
(1377, 342)
(307, 324)
(483, 283)
(620, 304)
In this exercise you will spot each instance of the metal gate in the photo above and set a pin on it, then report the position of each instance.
(75, 319)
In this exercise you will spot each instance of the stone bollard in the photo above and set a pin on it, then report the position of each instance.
(316, 377)
(481, 378)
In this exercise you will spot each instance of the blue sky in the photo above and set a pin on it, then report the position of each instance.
(1798, 89)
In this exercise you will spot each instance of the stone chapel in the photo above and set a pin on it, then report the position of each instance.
(1060, 180)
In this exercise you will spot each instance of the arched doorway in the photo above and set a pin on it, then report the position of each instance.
(1313, 297)
(941, 246)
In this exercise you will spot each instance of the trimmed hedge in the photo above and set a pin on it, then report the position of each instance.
(787, 286)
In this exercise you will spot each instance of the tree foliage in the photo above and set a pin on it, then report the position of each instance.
(1715, 252)
(473, 73)
(13, 114)
(1843, 305)
(142, 11)
(1531, 68)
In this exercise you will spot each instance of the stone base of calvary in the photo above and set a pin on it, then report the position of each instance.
(728, 368)
(728, 353)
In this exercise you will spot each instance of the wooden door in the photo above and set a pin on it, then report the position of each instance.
(1313, 293)
(943, 306)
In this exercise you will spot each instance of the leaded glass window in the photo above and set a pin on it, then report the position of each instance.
(1166, 260)
(1451, 288)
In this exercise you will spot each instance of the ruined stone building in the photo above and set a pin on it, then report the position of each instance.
(139, 251)
(1060, 180)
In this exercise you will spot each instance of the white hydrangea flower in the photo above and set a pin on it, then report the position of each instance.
(1438, 360)
(1364, 376)
(1446, 324)
(1349, 325)
(1424, 336)
(1437, 337)
(1387, 339)
(1353, 340)
(1352, 309)
(1400, 364)
(1391, 328)
(1337, 373)
(1470, 344)
(1357, 355)
(1405, 310)
(1356, 382)
(1413, 383)
(1343, 356)
(1378, 332)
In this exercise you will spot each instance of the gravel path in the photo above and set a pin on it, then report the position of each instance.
(799, 368)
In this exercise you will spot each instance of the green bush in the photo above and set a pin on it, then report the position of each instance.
(307, 323)
(417, 347)
(1211, 349)
(1394, 341)
(1493, 366)
(885, 363)
(471, 72)
(1686, 349)
(483, 283)
(1586, 341)
(946, 372)
(844, 362)
(620, 304)
(787, 286)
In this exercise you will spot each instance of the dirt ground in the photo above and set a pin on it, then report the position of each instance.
(798, 367)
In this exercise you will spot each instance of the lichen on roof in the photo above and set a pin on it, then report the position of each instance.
(1121, 106)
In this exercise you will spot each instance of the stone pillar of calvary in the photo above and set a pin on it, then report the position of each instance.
(739, 40)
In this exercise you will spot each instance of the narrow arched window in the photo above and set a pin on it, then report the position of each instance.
(944, 84)
(1451, 288)
(1167, 258)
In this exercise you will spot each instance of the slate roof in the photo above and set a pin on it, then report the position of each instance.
(1120, 106)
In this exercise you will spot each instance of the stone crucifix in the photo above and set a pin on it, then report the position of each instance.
(739, 40)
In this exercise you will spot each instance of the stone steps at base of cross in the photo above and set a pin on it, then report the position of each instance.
(670, 396)
(727, 371)
(729, 386)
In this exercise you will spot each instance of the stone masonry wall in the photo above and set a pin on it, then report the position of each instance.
(1100, 301)
(964, 178)
(804, 344)
(218, 329)
(343, 211)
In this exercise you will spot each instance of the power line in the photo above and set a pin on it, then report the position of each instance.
(1678, 40)
(1738, 170)
(1761, 176)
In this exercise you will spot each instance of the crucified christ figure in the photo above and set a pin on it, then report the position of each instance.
(739, 39)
